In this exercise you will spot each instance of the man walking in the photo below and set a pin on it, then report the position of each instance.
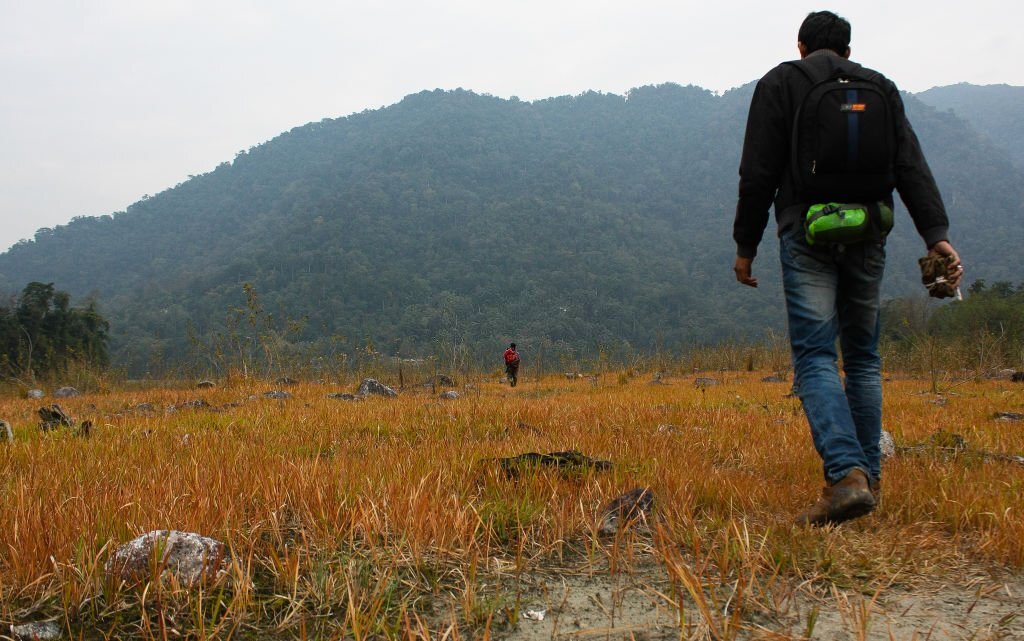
(827, 141)
(512, 364)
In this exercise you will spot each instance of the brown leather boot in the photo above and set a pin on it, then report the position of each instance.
(848, 499)
(876, 491)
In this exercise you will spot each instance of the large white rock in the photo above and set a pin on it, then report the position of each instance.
(39, 631)
(373, 386)
(188, 557)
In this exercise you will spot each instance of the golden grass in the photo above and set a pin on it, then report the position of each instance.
(383, 518)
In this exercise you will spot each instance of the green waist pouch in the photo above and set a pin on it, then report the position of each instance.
(846, 224)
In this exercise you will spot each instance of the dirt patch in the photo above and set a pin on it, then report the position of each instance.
(989, 609)
(577, 603)
(642, 603)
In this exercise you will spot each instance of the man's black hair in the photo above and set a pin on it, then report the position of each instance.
(825, 30)
(513, 345)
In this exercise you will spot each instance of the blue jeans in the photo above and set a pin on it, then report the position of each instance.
(834, 293)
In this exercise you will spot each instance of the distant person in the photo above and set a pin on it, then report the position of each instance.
(512, 364)
(827, 140)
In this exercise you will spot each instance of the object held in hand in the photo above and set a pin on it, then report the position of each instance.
(935, 276)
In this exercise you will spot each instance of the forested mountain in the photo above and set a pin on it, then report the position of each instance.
(994, 110)
(455, 219)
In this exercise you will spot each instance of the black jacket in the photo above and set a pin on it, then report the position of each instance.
(766, 175)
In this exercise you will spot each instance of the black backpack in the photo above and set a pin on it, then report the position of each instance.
(844, 139)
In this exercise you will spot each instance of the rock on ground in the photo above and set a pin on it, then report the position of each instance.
(278, 394)
(704, 381)
(286, 380)
(632, 507)
(52, 417)
(39, 631)
(774, 378)
(450, 395)
(345, 396)
(1009, 416)
(194, 404)
(186, 556)
(441, 380)
(887, 444)
(373, 386)
(6, 432)
(567, 461)
(66, 392)
(205, 384)
(35, 393)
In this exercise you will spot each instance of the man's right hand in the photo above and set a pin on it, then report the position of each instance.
(743, 269)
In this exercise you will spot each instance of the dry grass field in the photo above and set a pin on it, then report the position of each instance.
(388, 518)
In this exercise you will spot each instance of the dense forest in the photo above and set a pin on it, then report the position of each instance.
(452, 222)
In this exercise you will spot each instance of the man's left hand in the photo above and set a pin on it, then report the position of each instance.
(744, 271)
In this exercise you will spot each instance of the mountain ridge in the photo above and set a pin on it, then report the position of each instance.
(578, 223)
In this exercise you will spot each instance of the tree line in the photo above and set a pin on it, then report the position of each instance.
(42, 335)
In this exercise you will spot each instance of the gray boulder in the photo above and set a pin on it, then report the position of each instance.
(187, 557)
(35, 393)
(774, 378)
(704, 381)
(38, 631)
(286, 380)
(66, 392)
(278, 394)
(373, 386)
(6, 432)
(887, 444)
(206, 384)
(450, 395)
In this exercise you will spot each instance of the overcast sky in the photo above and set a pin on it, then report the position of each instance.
(104, 101)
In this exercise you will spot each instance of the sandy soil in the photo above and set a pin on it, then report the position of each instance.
(641, 604)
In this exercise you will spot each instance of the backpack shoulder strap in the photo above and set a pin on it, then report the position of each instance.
(815, 79)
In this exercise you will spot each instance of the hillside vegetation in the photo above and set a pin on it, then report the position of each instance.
(994, 110)
(452, 222)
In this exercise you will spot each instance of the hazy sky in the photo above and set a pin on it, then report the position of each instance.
(103, 101)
